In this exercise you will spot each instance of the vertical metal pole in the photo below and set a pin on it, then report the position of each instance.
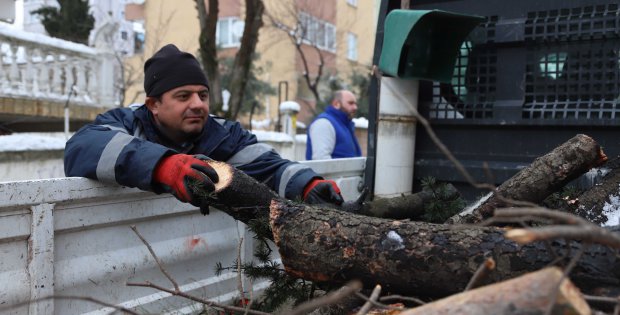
(373, 98)
(282, 85)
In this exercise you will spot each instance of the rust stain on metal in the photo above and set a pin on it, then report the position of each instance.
(194, 241)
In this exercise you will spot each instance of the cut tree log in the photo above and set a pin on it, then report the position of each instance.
(546, 175)
(411, 258)
(242, 197)
(528, 294)
(415, 258)
(241, 193)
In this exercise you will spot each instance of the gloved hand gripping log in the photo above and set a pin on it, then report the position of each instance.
(201, 181)
(189, 178)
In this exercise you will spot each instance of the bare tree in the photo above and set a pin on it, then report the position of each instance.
(133, 74)
(299, 32)
(253, 22)
(208, 51)
(208, 21)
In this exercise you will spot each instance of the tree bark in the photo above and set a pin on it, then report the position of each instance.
(543, 177)
(591, 203)
(528, 294)
(242, 197)
(415, 258)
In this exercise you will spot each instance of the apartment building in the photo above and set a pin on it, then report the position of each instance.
(342, 31)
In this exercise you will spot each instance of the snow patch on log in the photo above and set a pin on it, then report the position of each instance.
(591, 178)
(612, 210)
(477, 204)
(393, 241)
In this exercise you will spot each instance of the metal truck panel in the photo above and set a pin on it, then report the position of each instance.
(72, 237)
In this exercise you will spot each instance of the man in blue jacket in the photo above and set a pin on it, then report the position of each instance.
(332, 134)
(166, 143)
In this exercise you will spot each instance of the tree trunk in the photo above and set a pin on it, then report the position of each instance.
(253, 22)
(414, 258)
(543, 177)
(208, 52)
(242, 197)
(529, 294)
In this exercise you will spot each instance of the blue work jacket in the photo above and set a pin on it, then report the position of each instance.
(123, 146)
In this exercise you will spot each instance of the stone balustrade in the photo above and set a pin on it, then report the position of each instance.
(38, 67)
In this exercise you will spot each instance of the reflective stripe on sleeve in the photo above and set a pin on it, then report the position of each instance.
(288, 173)
(123, 130)
(249, 154)
(107, 161)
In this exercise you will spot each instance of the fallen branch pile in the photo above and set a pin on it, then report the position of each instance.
(321, 244)
(473, 269)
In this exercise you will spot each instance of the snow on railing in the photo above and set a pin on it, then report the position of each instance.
(35, 66)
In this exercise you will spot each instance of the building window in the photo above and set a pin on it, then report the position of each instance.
(352, 2)
(352, 46)
(229, 31)
(317, 32)
(138, 37)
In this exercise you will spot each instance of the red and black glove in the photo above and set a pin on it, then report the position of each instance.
(189, 178)
(321, 191)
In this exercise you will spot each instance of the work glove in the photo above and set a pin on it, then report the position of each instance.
(189, 178)
(321, 191)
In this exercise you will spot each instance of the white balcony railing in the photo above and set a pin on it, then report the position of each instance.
(35, 66)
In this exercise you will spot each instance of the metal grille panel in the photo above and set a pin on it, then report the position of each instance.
(471, 93)
(572, 68)
(580, 23)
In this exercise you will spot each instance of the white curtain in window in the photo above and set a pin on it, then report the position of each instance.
(351, 46)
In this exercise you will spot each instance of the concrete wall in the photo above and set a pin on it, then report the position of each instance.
(29, 165)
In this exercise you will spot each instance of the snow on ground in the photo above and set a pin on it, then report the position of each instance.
(32, 141)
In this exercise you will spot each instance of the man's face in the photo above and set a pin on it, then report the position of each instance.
(182, 112)
(347, 104)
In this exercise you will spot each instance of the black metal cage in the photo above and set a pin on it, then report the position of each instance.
(534, 75)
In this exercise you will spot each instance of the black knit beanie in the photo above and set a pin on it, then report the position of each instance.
(170, 68)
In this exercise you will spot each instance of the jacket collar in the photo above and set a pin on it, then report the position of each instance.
(338, 114)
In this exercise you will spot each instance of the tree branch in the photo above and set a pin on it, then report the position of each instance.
(148, 284)
(328, 299)
(70, 297)
(373, 298)
(590, 234)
